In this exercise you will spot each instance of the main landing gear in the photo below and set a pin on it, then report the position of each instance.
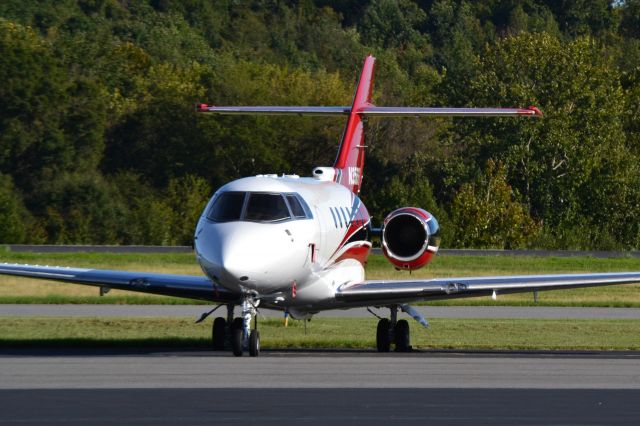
(393, 331)
(237, 332)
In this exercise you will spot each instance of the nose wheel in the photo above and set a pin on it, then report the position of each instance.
(237, 336)
(218, 333)
(254, 343)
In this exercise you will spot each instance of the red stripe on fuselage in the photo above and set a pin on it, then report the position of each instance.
(359, 218)
(359, 253)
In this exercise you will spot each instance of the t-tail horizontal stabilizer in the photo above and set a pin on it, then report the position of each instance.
(373, 111)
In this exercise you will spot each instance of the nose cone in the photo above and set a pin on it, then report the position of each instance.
(243, 259)
(244, 255)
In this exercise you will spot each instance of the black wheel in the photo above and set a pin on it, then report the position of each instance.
(402, 336)
(237, 336)
(254, 343)
(218, 333)
(383, 343)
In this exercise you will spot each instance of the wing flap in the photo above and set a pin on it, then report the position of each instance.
(448, 288)
(188, 286)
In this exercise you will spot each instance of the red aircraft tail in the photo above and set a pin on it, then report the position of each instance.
(350, 161)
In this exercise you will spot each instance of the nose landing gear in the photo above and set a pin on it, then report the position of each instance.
(236, 332)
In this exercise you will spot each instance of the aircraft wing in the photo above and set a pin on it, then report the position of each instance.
(371, 293)
(189, 286)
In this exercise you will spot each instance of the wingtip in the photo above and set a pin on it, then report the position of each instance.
(536, 111)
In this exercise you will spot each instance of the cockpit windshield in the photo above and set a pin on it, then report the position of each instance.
(266, 208)
(263, 207)
(227, 207)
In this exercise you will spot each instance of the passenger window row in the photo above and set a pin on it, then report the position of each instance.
(342, 218)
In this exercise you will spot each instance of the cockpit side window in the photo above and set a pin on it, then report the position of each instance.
(227, 207)
(299, 207)
(263, 207)
(296, 208)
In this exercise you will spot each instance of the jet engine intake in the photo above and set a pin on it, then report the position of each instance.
(410, 238)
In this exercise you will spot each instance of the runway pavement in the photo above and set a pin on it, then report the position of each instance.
(175, 386)
(82, 369)
(195, 311)
(356, 387)
(320, 407)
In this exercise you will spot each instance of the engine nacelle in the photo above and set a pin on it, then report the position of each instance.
(410, 237)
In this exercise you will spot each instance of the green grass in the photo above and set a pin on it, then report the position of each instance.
(21, 290)
(356, 333)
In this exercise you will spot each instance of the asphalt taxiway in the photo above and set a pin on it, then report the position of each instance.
(292, 387)
(164, 386)
(80, 369)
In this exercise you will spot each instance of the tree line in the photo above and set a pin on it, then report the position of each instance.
(99, 141)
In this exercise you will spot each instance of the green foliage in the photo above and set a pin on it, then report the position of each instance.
(12, 213)
(186, 198)
(99, 141)
(80, 209)
(572, 167)
(486, 214)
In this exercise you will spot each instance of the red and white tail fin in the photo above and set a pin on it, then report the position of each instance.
(350, 161)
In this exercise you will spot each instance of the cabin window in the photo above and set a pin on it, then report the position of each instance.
(227, 207)
(266, 208)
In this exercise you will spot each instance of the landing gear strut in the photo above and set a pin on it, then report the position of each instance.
(242, 337)
(393, 331)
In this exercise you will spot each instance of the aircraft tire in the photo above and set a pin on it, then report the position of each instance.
(383, 343)
(218, 333)
(254, 343)
(402, 336)
(237, 336)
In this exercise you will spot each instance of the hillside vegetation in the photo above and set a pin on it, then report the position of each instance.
(99, 141)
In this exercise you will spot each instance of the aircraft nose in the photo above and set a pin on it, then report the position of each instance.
(235, 258)
(254, 256)
(249, 261)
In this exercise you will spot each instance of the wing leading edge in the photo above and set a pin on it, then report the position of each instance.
(188, 286)
(390, 292)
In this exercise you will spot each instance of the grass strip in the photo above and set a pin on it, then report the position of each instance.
(329, 333)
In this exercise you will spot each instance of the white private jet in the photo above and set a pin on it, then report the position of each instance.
(299, 244)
